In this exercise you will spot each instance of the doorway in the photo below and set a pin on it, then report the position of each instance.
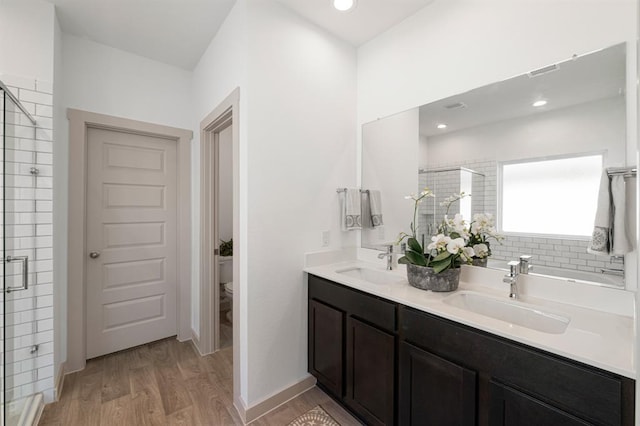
(158, 140)
(219, 229)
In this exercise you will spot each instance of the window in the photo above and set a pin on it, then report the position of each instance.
(550, 196)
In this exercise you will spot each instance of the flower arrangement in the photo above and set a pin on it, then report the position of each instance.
(481, 230)
(448, 249)
(456, 241)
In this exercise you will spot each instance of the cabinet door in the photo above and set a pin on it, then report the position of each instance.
(326, 340)
(509, 407)
(370, 372)
(434, 391)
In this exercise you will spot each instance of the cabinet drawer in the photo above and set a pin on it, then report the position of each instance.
(595, 395)
(371, 309)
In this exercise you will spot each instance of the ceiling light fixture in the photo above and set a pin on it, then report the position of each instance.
(441, 126)
(344, 5)
(539, 103)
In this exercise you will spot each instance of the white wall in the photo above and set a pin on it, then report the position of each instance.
(301, 147)
(105, 80)
(453, 46)
(26, 39)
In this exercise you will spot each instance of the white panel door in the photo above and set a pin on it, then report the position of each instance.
(131, 254)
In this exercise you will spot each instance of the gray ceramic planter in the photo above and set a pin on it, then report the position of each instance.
(424, 278)
(480, 262)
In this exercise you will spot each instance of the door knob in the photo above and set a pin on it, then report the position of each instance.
(94, 254)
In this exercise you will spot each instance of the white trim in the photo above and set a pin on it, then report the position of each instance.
(250, 414)
(59, 384)
(79, 122)
(223, 116)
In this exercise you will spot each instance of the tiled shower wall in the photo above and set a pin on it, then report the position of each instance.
(559, 253)
(29, 314)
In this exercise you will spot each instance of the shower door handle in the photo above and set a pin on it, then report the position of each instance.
(25, 272)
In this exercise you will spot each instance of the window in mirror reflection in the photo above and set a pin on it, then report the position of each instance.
(568, 185)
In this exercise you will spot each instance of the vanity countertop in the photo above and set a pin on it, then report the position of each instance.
(598, 338)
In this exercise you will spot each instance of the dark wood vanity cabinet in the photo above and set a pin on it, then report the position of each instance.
(516, 384)
(390, 364)
(434, 391)
(352, 349)
(326, 341)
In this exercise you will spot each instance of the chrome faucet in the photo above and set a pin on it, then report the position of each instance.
(389, 255)
(512, 278)
(525, 264)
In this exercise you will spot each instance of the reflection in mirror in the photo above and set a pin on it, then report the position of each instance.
(470, 142)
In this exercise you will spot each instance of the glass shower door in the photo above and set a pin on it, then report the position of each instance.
(19, 251)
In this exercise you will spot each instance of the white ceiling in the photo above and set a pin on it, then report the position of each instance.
(367, 20)
(177, 32)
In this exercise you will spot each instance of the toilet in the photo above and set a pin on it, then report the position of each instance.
(226, 283)
(228, 289)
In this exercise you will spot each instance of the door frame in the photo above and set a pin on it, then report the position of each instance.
(79, 123)
(223, 116)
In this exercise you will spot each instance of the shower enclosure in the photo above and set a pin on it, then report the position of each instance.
(19, 231)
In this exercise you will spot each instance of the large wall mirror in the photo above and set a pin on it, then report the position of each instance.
(530, 150)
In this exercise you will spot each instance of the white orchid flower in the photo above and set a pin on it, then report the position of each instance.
(439, 242)
(455, 246)
(481, 250)
(467, 254)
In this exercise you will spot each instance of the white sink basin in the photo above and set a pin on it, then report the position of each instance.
(371, 275)
(514, 312)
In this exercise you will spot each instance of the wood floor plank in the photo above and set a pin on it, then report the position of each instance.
(88, 387)
(173, 391)
(167, 383)
(117, 412)
(184, 417)
(139, 357)
(209, 400)
(85, 413)
(145, 398)
(115, 377)
(189, 361)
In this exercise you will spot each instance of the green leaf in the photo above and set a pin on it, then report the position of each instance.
(414, 245)
(404, 260)
(445, 254)
(415, 258)
(441, 266)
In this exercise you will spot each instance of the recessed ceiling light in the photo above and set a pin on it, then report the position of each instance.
(441, 126)
(344, 5)
(539, 103)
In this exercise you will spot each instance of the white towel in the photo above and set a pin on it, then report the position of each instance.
(610, 234)
(351, 211)
(375, 207)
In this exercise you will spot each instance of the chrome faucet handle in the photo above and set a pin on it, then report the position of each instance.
(525, 264)
(514, 266)
(512, 278)
(389, 255)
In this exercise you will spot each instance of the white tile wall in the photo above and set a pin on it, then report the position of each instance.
(29, 313)
(560, 253)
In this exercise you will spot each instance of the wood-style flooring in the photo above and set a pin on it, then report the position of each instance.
(166, 383)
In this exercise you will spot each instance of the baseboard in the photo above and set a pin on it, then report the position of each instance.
(195, 340)
(258, 410)
(59, 384)
(32, 411)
